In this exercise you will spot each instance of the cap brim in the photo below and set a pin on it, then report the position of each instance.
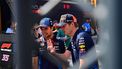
(61, 24)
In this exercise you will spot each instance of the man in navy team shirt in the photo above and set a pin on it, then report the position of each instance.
(50, 44)
(81, 42)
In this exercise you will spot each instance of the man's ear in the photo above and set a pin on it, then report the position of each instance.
(52, 28)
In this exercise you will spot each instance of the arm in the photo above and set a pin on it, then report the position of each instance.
(35, 62)
(85, 44)
(63, 56)
(82, 49)
(51, 49)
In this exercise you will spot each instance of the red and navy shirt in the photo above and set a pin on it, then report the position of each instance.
(81, 43)
(45, 60)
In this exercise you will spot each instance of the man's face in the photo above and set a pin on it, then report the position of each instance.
(47, 32)
(67, 28)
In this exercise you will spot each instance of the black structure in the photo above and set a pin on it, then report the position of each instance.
(24, 41)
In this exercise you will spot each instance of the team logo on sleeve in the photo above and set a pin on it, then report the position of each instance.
(81, 41)
(82, 46)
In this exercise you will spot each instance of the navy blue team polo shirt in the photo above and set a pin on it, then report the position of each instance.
(45, 63)
(81, 38)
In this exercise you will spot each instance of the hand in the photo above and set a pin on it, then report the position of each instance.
(50, 46)
(52, 50)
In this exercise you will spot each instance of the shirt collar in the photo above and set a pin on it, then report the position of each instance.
(76, 33)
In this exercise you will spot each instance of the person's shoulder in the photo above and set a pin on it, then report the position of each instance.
(82, 34)
(84, 23)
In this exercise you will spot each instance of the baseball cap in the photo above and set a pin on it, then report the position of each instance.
(67, 18)
(45, 22)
